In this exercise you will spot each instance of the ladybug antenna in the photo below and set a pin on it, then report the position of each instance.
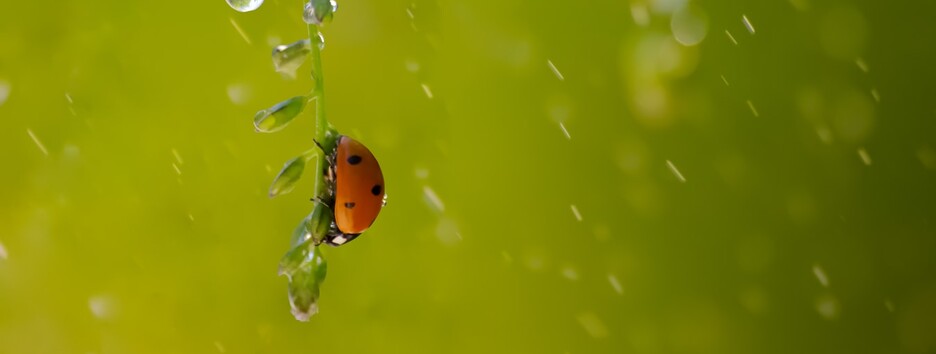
(319, 145)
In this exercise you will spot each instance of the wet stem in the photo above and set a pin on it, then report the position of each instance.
(318, 93)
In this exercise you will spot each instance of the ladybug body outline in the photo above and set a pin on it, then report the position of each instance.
(355, 191)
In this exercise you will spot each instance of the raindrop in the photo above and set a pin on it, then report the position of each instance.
(288, 58)
(101, 306)
(821, 275)
(615, 284)
(863, 154)
(317, 12)
(675, 171)
(447, 232)
(753, 109)
(828, 307)
(175, 153)
(245, 5)
(555, 70)
(593, 325)
(277, 117)
(412, 66)
(889, 305)
(723, 79)
(640, 14)
(862, 65)
(876, 95)
(747, 24)
(689, 25)
(218, 346)
(240, 31)
(4, 91)
(38, 143)
(565, 131)
(427, 90)
(239, 94)
(3, 252)
(176, 168)
(569, 272)
(575, 211)
(730, 37)
(286, 180)
(433, 199)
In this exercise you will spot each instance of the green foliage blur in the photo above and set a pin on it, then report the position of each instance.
(634, 176)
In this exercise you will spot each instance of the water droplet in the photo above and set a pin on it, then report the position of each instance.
(575, 211)
(828, 307)
(427, 90)
(318, 12)
(447, 232)
(689, 25)
(277, 117)
(753, 109)
(593, 325)
(821, 275)
(565, 131)
(3, 252)
(240, 31)
(723, 79)
(730, 37)
(862, 65)
(569, 272)
(220, 347)
(747, 24)
(615, 284)
(889, 305)
(286, 180)
(239, 94)
(675, 171)
(4, 91)
(863, 154)
(640, 14)
(245, 5)
(101, 306)
(38, 143)
(555, 70)
(433, 199)
(287, 58)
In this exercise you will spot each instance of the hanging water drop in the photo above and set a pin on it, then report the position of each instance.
(318, 12)
(287, 58)
(277, 117)
(245, 5)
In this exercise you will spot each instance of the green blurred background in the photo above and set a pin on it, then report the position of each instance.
(134, 215)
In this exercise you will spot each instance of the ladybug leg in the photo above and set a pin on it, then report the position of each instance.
(317, 143)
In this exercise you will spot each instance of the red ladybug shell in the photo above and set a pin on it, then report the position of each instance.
(359, 187)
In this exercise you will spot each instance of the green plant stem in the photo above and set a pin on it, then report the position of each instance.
(318, 93)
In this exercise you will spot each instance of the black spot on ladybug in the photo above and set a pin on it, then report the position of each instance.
(376, 189)
(354, 159)
(349, 205)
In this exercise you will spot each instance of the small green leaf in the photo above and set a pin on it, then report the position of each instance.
(309, 233)
(286, 180)
(277, 117)
(287, 58)
(304, 285)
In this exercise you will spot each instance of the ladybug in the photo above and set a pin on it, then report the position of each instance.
(355, 190)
